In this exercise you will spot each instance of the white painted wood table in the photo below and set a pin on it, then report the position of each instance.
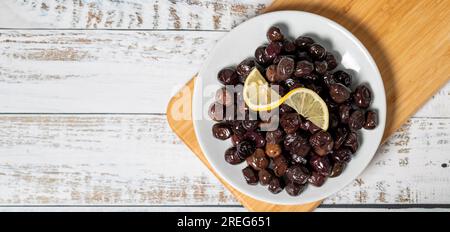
(83, 90)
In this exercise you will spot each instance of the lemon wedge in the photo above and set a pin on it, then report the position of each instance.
(259, 96)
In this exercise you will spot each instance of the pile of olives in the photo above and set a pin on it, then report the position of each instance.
(295, 152)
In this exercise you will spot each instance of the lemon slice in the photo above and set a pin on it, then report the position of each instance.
(309, 105)
(257, 93)
(259, 96)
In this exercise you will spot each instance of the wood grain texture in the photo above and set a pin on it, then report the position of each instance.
(45, 71)
(97, 71)
(408, 39)
(128, 14)
(137, 160)
(125, 160)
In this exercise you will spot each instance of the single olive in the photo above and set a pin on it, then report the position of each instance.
(274, 137)
(285, 68)
(321, 67)
(303, 68)
(273, 50)
(362, 96)
(297, 144)
(352, 141)
(280, 165)
(337, 169)
(317, 179)
(342, 155)
(250, 175)
(290, 122)
(371, 120)
(320, 164)
(356, 120)
(317, 51)
(273, 150)
(265, 176)
(331, 61)
(221, 131)
(245, 149)
(289, 46)
(339, 93)
(232, 157)
(303, 42)
(228, 76)
(344, 113)
(236, 139)
(294, 189)
(343, 78)
(322, 143)
(276, 185)
(237, 127)
(274, 34)
(328, 79)
(256, 137)
(271, 73)
(261, 56)
(245, 67)
(297, 174)
(340, 135)
(258, 160)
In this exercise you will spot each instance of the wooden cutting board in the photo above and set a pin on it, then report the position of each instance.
(409, 40)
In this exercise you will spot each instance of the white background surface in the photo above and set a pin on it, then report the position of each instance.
(83, 91)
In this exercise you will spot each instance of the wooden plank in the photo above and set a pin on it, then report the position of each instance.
(125, 160)
(136, 159)
(128, 14)
(82, 71)
(97, 71)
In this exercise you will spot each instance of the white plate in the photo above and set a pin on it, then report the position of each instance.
(241, 43)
